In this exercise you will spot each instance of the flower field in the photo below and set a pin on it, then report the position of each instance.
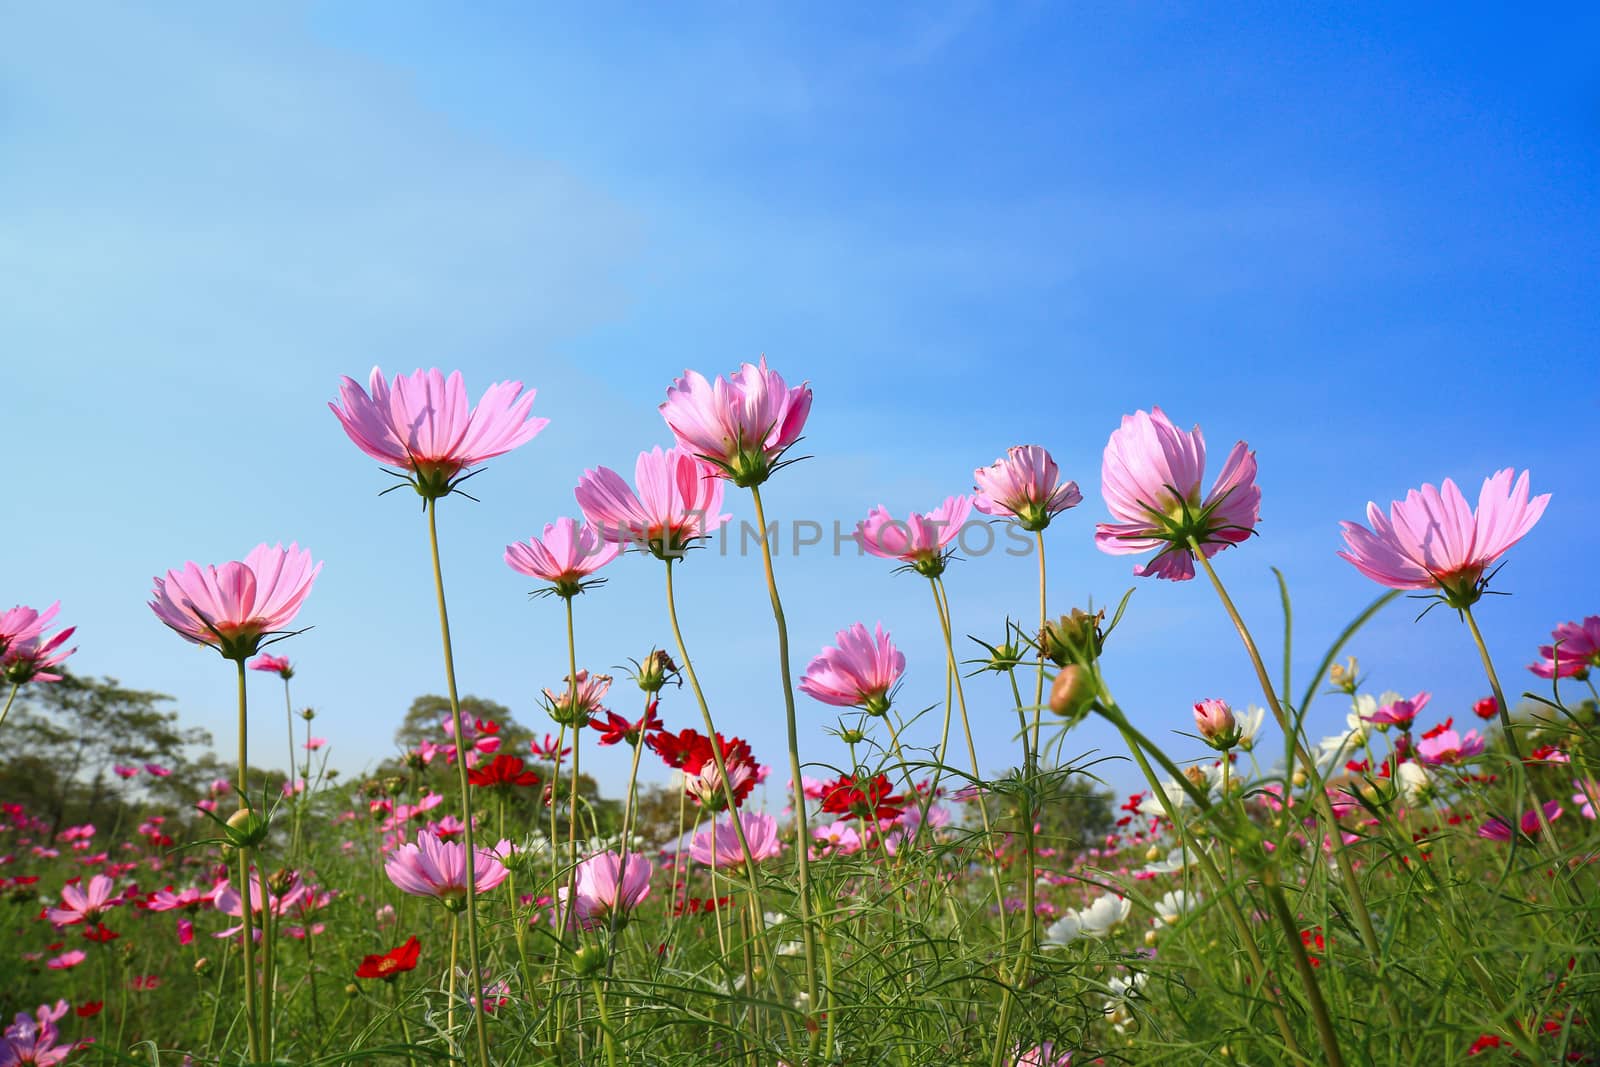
(1418, 887)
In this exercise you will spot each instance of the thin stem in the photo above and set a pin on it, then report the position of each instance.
(294, 798)
(803, 833)
(727, 792)
(1302, 963)
(577, 747)
(1044, 620)
(473, 958)
(269, 945)
(1319, 794)
(252, 1020)
(9, 698)
(627, 829)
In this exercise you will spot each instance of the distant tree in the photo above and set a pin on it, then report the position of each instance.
(1071, 810)
(63, 742)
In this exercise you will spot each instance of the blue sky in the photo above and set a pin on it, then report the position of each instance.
(1363, 240)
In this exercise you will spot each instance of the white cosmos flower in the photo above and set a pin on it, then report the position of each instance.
(1064, 931)
(1174, 905)
(1151, 805)
(1176, 860)
(1249, 724)
(1106, 912)
(1412, 782)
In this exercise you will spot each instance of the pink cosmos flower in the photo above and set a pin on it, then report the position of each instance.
(23, 623)
(1401, 713)
(155, 770)
(742, 424)
(188, 899)
(1044, 1055)
(84, 904)
(1497, 829)
(921, 540)
(859, 670)
(549, 749)
(434, 868)
(1447, 747)
(1150, 476)
(575, 702)
(424, 425)
(838, 837)
(228, 900)
(278, 665)
(705, 786)
(31, 1039)
(604, 885)
(565, 556)
(720, 847)
(676, 504)
(1573, 651)
(25, 654)
(1025, 485)
(232, 607)
(123, 772)
(1434, 540)
(313, 743)
(1588, 791)
(66, 961)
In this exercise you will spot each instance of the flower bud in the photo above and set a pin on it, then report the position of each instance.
(1217, 726)
(1073, 638)
(1072, 692)
(852, 736)
(308, 714)
(655, 671)
(1150, 938)
(281, 881)
(202, 966)
(246, 829)
(588, 961)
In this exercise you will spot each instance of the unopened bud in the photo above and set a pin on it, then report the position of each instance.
(1299, 778)
(281, 881)
(1150, 937)
(1216, 723)
(852, 736)
(1072, 692)
(588, 961)
(246, 829)
(655, 671)
(1196, 776)
(308, 714)
(1073, 638)
(202, 966)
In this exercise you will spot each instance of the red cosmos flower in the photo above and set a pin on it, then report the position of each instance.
(616, 728)
(502, 773)
(1437, 730)
(1312, 939)
(89, 1009)
(851, 798)
(100, 934)
(1486, 708)
(390, 965)
(690, 752)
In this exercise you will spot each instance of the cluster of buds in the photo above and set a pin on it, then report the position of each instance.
(1074, 638)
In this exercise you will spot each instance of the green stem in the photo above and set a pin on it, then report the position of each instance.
(9, 698)
(622, 865)
(577, 747)
(252, 1019)
(605, 1023)
(803, 833)
(727, 792)
(943, 606)
(1302, 963)
(1319, 795)
(269, 945)
(294, 798)
(473, 958)
(1044, 620)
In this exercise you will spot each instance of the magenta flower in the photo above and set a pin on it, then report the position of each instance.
(1433, 540)
(858, 670)
(720, 848)
(155, 770)
(600, 890)
(67, 960)
(1497, 829)
(1447, 747)
(1588, 790)
(578, 699)
(80, 904)
(228, 900)
(278, 665)
(32, 659)
(1151, 476)
(424, 425)
(232, 607)
(1573, 651)
(565, 556)
(742, 424)
(124, 772)
(1401, 713)
(676, 503)
(1044, 1055)
(434, 868)
(921, 541)
(1025, 485)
